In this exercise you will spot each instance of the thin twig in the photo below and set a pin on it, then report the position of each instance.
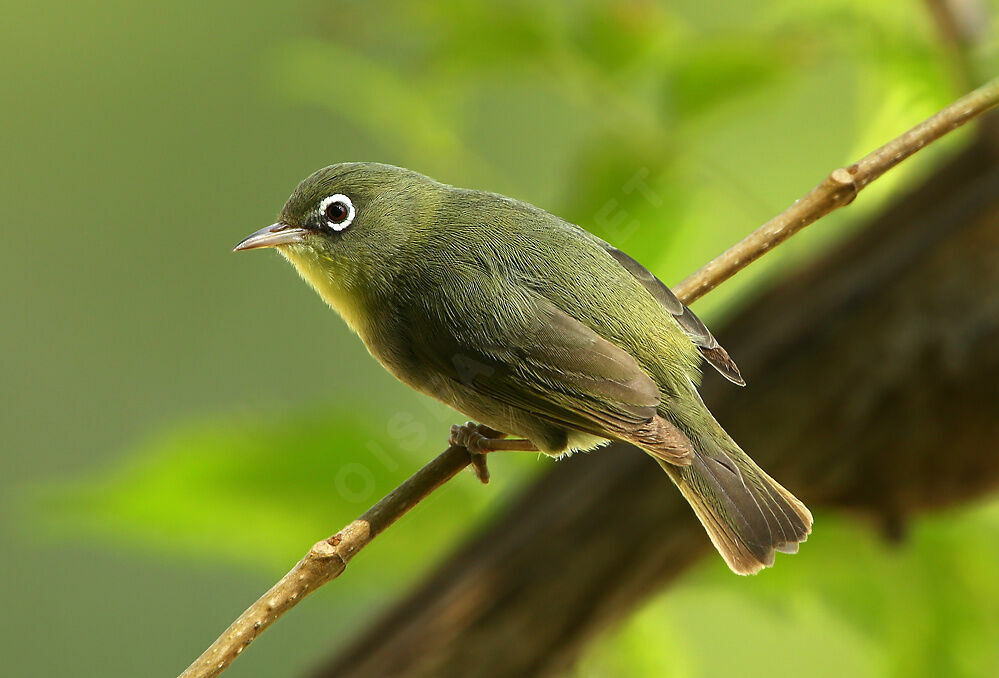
(324, 562)
(328, 558)
(838, 189)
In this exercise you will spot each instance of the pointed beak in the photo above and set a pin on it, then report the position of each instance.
(272, 236)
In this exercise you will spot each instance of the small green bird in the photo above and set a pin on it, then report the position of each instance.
(536, 329)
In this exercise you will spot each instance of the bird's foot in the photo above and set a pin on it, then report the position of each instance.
(480, 440)
(474, 438)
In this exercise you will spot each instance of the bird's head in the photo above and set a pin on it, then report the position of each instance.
(350, 228)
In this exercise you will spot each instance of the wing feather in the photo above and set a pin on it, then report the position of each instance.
(692, 326)
(539, 359)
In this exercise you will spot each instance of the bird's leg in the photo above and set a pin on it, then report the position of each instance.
(479, 440)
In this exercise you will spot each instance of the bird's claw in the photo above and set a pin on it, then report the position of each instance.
(475, 438)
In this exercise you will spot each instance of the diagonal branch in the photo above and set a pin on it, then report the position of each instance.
(838, 190)
(325, 561)
(328, 558)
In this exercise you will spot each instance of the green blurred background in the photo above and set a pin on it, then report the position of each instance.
(180, 423)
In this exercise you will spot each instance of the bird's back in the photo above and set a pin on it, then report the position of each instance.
(522, 245)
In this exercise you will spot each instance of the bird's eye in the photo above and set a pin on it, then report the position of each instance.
(338, 211)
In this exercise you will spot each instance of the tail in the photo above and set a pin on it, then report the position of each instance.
(745, 512)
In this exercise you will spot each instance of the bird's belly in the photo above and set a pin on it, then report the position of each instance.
(584, 442)
(549, 438)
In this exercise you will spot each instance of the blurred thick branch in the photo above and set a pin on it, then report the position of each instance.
(872, 388)
(328, 558)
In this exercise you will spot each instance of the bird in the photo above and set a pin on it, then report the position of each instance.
(546, 336)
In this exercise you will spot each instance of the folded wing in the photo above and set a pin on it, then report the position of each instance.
(532, 356)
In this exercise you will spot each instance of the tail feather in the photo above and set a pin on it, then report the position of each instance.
(747, 514)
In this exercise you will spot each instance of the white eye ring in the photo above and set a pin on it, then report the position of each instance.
(343, 223)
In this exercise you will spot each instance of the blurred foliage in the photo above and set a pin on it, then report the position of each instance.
(670, 129)
(259, 492)
(850, 604)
